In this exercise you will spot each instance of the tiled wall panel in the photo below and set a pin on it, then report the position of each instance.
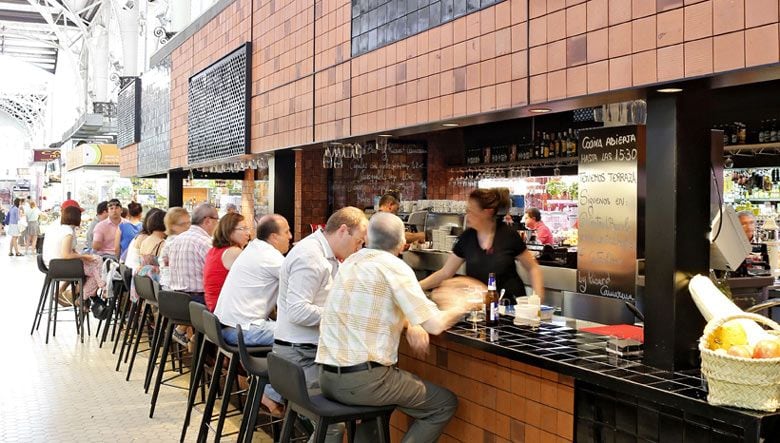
(499, 400)
(475, 64)
(625, 44)
(307, 88)
(128, 158)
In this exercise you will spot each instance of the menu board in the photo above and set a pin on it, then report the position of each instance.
(400, 167)
(611, 161)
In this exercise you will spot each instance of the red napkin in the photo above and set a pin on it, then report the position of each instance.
(621, 331)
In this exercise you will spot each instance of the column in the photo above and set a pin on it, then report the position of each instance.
(677, 220)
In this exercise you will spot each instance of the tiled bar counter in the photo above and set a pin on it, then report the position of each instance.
(556, 384)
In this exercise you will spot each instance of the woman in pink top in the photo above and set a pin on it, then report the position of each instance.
(230, 237)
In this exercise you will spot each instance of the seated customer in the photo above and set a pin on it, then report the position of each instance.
(249, 294)
(373, 297)
(187, 252)
(230, 237)
(61, 243)
(104, 240)
(129, 228)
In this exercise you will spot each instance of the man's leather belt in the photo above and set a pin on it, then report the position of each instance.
(295, 345)
(354, 368)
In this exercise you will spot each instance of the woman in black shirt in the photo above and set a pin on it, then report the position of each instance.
(489, 245)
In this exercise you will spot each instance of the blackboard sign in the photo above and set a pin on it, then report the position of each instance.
(402, 167)
(610, 165)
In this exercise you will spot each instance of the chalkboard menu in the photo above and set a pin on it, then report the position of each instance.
(611, 161)
(401, 167)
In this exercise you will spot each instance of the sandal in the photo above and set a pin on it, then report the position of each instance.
(64, 299)
(180, 337)
(18, 254)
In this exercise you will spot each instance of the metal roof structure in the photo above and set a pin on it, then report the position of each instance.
(34, 31)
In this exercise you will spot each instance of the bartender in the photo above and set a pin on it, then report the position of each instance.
(388, 203)
(533, 220)
(490, 246)
(759, 252)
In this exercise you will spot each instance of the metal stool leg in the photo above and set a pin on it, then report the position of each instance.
(289, 421)
(125, 311)
(229, 379)
(41, 304)
(52, 308)
(195, 381)
(321, 430)
(160, 372)
(129, 332)
(147, 310)
(203, 430)
(251, 410)
(160, 326)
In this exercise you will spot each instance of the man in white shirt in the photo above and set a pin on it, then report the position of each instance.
(373, 299)
(306, 275)
(249, 294)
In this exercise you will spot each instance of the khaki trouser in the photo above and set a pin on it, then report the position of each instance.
(432, 406)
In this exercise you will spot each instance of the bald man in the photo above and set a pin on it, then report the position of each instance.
(249, 294)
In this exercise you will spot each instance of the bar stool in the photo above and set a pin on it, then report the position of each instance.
(196, 319)
(117, 291)
(257, 369)
(71, 272)
(125, 310)
(175, 310)
(44, 292)
(288, 380)
(213, 331)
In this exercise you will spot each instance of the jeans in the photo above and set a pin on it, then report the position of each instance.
(255, 335)
(431, 406)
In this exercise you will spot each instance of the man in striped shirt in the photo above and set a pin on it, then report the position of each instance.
(187, 252)
(374, 298)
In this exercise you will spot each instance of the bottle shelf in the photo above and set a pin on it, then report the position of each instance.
(757, 199)
(751, 147)
(531, 163)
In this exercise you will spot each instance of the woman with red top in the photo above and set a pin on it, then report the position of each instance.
(230, 237)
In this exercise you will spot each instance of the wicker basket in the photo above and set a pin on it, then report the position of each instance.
(738, 381)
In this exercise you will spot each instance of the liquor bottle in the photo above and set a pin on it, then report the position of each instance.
(773, 134)
(546, 146)
(491, 302)
(572, 144)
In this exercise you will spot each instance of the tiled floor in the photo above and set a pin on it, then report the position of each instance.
(67, 391)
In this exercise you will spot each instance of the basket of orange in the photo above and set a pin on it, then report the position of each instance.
(741, 361)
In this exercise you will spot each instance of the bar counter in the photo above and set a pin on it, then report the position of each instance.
(557, 384)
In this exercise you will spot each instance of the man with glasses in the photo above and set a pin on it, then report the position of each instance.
(104, 235)
(187, 253)
(304, 281)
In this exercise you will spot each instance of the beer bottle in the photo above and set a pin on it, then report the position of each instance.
(491, 302)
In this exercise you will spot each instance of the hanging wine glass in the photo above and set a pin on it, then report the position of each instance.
(327, 159)
(347, 151)
(338, 159)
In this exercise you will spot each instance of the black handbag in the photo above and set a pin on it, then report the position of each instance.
(101, 308)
